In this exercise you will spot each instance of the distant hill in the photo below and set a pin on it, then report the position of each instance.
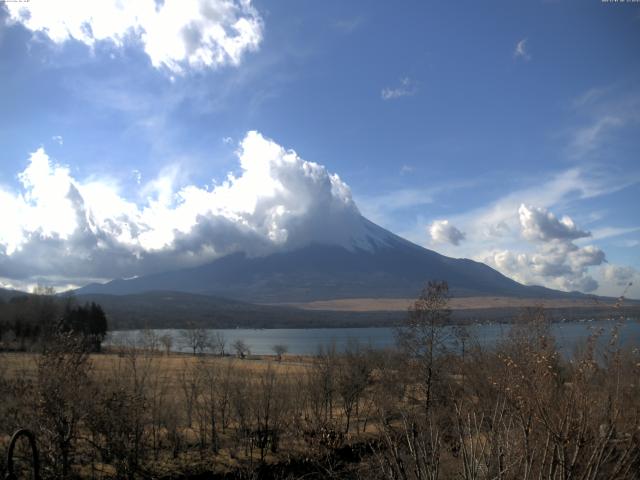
(182, 310)
(166, 309)
(185, 310)
(376, 263)
(6, 294)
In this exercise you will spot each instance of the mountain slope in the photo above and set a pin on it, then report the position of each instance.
(184, 310)
(372, 262)
(7, 295)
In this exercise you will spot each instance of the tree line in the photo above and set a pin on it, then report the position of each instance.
(195, 340)
(31, 321)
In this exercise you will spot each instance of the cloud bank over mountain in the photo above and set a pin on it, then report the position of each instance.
(59, 227)
(62, 230)
(175, 34)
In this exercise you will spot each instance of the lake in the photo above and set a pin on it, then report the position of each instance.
(307, 341)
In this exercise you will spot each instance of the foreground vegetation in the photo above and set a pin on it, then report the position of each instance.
(516, 411)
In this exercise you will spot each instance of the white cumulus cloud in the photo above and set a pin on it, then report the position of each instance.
(540, 224)
(619, 275)
(175, 34)
(442, 231)
(554, 267)
(556, 261)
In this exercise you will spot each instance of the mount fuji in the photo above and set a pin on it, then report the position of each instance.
(359, 259)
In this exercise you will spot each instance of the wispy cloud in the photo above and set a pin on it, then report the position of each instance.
(348, 25)
(631, 243)
(380, 208)
(588, 138)
(407, 88)
(590, 96)
(405, 169)
(603, 112)
(610, 232)
(521, 50)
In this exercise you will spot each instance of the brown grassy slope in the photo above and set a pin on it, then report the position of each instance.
(462, 303)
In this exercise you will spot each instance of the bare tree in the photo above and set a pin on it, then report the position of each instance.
(208, 402)
(219, 344)
(280, 350)
(354, 369)
(158, 404)
(190, 386)
(319, 394)
(120, 420)
(422, 335)
(240, 402)
(167, 342)
(63, 382)
(225, 380)
(413, 443)
(197, 339)
(149, 340)
(241, 348)
(270, 408)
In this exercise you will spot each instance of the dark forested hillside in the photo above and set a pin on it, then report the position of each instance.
(29, 320)
(178, 309)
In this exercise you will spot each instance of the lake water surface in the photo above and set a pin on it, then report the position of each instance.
(307, 341)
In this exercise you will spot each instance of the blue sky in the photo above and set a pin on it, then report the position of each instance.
(501, 131)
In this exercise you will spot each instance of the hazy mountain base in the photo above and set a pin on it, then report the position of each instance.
(326, 272)
(179, 310)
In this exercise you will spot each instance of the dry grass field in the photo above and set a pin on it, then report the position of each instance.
(177, 399)
(25, 364)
